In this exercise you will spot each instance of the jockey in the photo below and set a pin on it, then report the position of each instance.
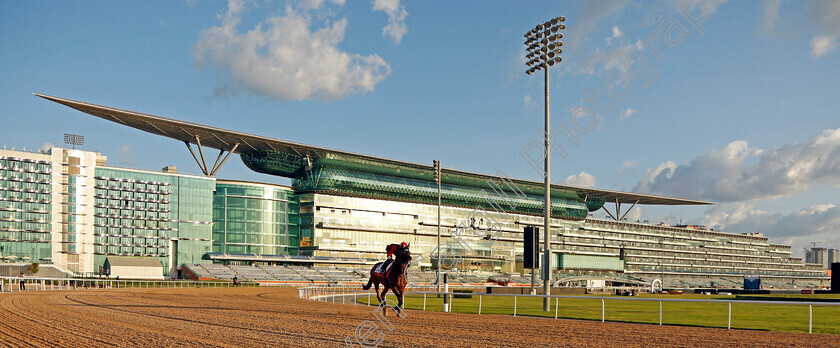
(392, 249)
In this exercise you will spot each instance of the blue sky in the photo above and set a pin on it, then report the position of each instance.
(743, 114)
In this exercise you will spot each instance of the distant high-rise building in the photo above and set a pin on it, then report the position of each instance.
(817, 256)
(833, 256)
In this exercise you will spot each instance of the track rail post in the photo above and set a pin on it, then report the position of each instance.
(514, 306)
(660, 313)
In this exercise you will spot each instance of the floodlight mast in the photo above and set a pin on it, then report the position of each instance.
(438, 179)
(543, 46)
(74, 139)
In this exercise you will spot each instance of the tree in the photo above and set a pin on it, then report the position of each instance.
(34, 268)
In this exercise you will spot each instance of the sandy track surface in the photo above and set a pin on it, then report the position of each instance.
(276, 317)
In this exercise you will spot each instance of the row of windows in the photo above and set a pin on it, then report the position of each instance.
(254, 249)
(657, 249)
(25, 206)
(11, 185)
(728, 271)
(131, 185)
(251, 238)
(25, 216)
(123, 199)
(24, 236)
(115, 217)
(131, 205)
(658, 231)
(664, 243)
(24, 226)
(250, 215)
(16, 165)
(24, 196)
(253, 191)
(133, 241)
(33, 250)
(122, 223)
(719, 263)
(128, 231)
(130, 250)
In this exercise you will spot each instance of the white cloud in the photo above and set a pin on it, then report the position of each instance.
(396, 27)
(530, 103)
(721, 175)
(596, 15)
(821, 45)
(770, 21)
(825, 14)
(710, 6)
(316, 4)
(817, 223)
(608, 59)
(282, 58)
(616, 32)
(630, 164)
(627, 113)
(589, 19)
(634, 215)
(583, 179)
(125, 156)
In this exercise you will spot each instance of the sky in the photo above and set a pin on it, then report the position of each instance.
(732, 102)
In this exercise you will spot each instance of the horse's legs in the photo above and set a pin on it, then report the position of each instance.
(381, 302)
(400, 296)
(376, 289)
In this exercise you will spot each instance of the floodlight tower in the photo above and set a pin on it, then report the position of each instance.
(438, 179)
(543, 46)
(74, 139)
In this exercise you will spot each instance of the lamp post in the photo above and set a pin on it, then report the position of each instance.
(543, 46)
(438, 180)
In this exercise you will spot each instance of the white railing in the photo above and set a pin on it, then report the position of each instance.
(18, 284)
(329, 294)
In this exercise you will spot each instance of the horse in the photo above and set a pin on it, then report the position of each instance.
(395, 281)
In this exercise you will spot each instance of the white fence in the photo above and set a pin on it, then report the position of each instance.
(18, 284)
(344, 293)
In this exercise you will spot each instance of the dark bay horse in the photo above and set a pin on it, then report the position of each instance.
(395, 279)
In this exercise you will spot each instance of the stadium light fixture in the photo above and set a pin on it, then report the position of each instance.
(543, 50)
(74, 139)
(438, 178)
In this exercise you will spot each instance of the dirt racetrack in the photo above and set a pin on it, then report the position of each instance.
(249, 317)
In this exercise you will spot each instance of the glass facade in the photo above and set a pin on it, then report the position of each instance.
(255, 219)
(67, 207)
(360, 228)
(345, 175)
(150, 214)
(25, 208)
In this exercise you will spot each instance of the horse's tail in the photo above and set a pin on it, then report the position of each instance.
(367, 287)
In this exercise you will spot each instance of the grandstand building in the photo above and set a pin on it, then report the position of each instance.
(343, 208)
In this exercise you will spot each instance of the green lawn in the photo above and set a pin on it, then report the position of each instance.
(772, 317)
(797, 297)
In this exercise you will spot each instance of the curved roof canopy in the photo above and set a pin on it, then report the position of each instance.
(223, 139)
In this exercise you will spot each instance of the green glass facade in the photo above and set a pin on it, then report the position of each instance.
(345, 175)
(150, 214)
(255, 219)
(25, 208)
